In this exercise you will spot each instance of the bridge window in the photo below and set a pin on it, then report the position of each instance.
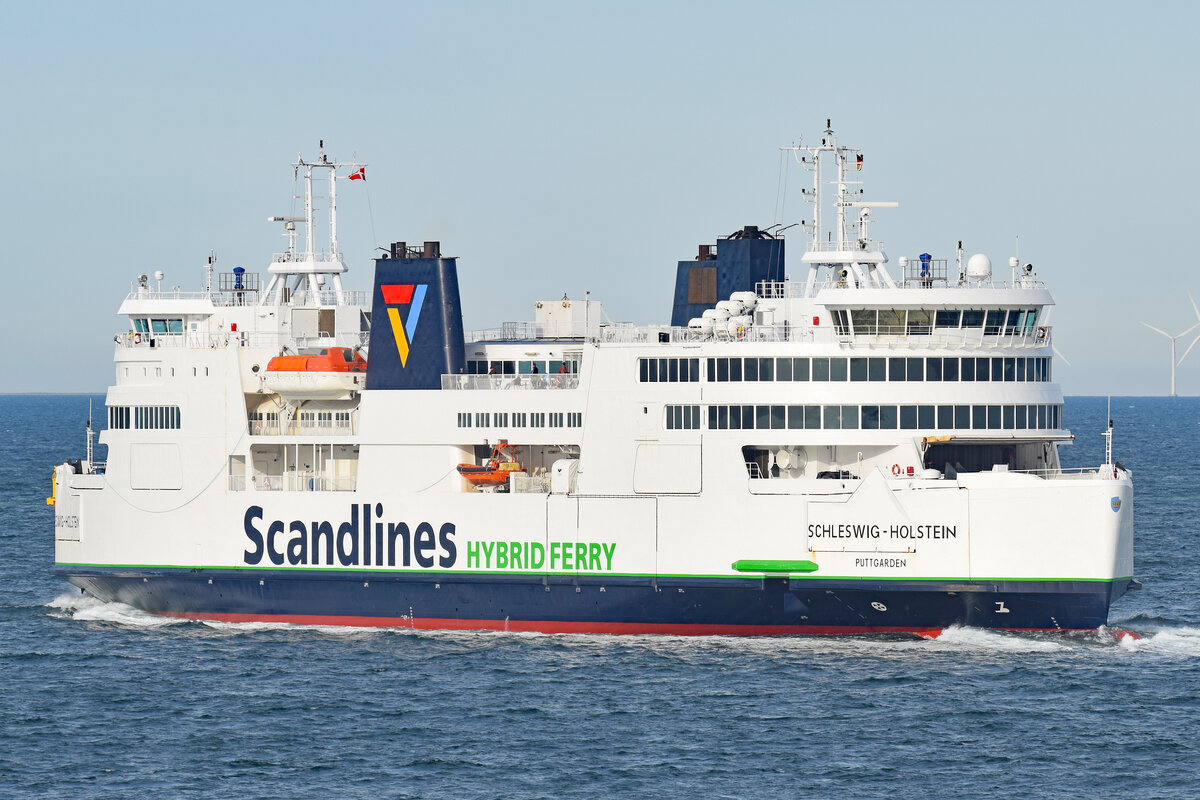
(947, 317)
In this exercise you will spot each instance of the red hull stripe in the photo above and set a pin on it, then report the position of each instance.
(551, 626)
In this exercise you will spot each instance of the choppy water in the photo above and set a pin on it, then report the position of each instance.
(100, 700)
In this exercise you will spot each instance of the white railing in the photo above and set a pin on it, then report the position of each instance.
(475, 382)
(320, 257)
(799, 289)
(508, 331)
(210, 341)
(351, 340)
(1076, 473)
(966, 338)
(173, 294)
(922, 337)
(848, 246)
(529, 484)
(302, 482)
(250, 297)
(320, 427)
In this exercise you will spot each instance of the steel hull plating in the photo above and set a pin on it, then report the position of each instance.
(752, 606)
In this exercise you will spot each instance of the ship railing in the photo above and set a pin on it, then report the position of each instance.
(320, 427)
(924, 336)
(885, 337)
(329, 297)
(791, 289)
(173, 294)
(302, 482)
(1070, 473)
(264, 427)
(508, 332)
(237, 483)
(319, 257)
(529, 484)
(217, 341)
(354, 339)
(324, 427)
(249, 297)
(475, 382)
(849, 246)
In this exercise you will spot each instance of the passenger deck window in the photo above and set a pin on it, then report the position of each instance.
(858, 369)
(877, 369)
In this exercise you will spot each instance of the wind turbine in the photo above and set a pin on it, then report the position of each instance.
(1175, 339)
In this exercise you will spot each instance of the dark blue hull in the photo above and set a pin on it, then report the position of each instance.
(615, 605)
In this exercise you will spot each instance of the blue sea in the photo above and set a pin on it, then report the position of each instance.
(103, 701)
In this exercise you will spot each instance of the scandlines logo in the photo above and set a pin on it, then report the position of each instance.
(396, 295)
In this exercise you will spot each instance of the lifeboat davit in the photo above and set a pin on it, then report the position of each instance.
(496, 471)
(335, 373)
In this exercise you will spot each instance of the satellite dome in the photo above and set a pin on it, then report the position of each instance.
(979, 267)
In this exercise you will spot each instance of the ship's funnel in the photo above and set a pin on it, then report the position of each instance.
(416, 323)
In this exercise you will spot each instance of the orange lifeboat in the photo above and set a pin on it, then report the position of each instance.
(496, 471)
(333, 374)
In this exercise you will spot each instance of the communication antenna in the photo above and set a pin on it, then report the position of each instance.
(1175, 339)
(1108, 436)
(88, 433)
(208, 272)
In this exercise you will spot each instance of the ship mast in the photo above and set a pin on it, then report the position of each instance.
(856, 261)
(298, 277)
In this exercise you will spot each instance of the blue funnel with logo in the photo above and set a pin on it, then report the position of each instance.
(416, 322)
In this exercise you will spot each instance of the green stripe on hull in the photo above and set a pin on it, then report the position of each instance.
(795, 575)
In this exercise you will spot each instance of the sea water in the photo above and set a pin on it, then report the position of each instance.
(101, 700)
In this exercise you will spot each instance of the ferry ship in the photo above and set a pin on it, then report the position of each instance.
(848, 450)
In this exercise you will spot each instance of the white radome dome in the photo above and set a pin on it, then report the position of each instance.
(979, 266)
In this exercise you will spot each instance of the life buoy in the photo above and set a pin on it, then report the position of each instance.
(137, 338)
(1041, 334)
(895, 469)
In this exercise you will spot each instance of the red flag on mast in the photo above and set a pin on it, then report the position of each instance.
(361, 175)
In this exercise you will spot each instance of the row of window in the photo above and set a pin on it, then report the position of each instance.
(873, 417)
(520, 419)
(683, 417)
(531, 367)
(916, 321)
(162, 326)
(668, 370)
(862, 368)
(143, 417)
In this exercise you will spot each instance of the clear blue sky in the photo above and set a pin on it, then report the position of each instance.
(558, 147)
